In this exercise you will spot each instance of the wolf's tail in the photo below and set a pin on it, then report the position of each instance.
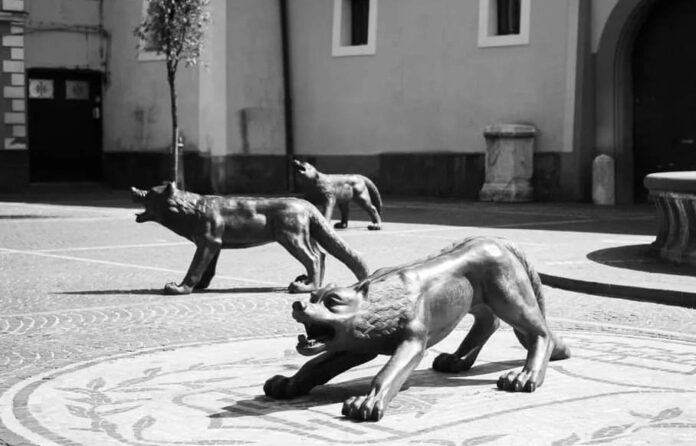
(560, 350)
(323, 233)
(375, 197)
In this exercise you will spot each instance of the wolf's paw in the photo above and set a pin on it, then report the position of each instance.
(278, 387)
(374, 227)
(524, 381)
(299, 286)
(172, 289)
(447, 363)
(341, 225)
(365, 408)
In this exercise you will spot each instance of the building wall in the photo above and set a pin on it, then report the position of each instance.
(137, 115)
(256, 121)
(65, 34)
(429, 87)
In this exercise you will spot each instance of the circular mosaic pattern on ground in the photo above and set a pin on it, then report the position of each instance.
(615, 388)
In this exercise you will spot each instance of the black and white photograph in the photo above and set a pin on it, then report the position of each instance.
(347, 222)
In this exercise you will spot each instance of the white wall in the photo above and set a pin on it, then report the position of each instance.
(136, 100)
(429, 87)
(64, 34)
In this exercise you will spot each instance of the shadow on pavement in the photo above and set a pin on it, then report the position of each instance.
(551, 216)
(158, 291)
(332, 394)
(639, 258)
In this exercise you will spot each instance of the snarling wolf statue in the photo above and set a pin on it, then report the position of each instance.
(404, 310)
(214, 223)
(327, 191)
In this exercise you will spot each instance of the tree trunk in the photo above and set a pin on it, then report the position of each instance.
(175, 171)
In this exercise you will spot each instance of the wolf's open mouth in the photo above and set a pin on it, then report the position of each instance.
(314, 341)
(299, 166)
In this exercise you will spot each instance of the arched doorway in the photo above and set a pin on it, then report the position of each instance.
(664, 89)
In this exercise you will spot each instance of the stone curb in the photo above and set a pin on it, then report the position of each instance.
(656, 295)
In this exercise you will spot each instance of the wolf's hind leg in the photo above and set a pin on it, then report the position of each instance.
(208, 274)
(299, 247)
(485, 324)
(363, 200)
(345, 209)
(515, 303)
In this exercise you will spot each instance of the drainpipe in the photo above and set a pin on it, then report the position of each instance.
(287, 87)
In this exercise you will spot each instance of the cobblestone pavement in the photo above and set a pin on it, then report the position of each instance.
(92, 353)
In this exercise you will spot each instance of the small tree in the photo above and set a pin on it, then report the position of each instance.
(176, 29)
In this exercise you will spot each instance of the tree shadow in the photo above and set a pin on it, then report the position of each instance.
(159, 292)
(337, 393)
(639, 258)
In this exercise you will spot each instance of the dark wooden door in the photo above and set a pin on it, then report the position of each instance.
(664, 76)
(64, 125)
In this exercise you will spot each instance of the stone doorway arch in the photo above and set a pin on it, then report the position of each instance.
(614, 90)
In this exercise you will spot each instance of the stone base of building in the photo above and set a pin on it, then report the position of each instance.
(455, 175)
(507, 192)
(14, 170)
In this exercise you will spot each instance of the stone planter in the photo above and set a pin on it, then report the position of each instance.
(509, 163)
(674, 195)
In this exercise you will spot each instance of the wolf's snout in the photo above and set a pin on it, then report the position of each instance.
(299, 306)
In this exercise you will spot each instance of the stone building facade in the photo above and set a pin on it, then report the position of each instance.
(400, 90)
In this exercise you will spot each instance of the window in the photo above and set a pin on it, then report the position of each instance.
(354, 27)
(146, 50)
(503, 22)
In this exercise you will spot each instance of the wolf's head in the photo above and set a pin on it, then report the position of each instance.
(157, 201)
(332, 318)
(306, 170)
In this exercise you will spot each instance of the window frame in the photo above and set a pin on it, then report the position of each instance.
(339, 50)
(143, 54)
(486, 26)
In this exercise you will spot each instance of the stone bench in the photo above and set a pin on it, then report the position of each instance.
(674, 194)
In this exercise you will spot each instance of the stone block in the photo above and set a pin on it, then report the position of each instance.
(14, 118)
(13, 66)
(509, 163)
(13, 5)
(13, 40)
(603, 180)
(13, 92)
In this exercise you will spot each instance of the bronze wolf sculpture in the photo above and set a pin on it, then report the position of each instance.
(327, 191)
(214, 223)
(404, 310)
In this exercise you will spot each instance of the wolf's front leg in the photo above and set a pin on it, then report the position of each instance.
(387, 383)
(205, 253)
(314, 373)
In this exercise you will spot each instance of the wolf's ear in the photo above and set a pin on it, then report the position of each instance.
(363, 287)
(138, 195)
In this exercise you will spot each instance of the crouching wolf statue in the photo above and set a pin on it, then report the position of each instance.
(214, 223)
(327, 191)
(404, 310)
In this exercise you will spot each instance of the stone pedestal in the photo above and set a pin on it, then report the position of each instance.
(603, 180)
(509, 163)
(674, 195)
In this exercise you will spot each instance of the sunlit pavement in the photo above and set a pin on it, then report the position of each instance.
(94, 354)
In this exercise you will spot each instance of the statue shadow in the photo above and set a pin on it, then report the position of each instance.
(158, 291)
(639, 258)
(337, 393)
